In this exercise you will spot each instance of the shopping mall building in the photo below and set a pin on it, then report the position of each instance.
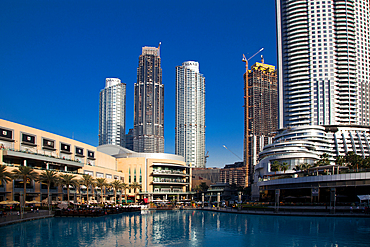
(161, 176)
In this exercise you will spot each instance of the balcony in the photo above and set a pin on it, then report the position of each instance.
(169, 181)
(169, 172)
(41, 157)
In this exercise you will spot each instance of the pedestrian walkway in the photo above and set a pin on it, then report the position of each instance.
(15, 218)
(306, 211)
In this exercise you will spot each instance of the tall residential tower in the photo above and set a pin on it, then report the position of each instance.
(112, 110)
(148, 131)
(324, 85)
(324, 88)
(190, 114)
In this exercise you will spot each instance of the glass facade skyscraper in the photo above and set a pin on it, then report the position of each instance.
(112, 112)
(190, 114)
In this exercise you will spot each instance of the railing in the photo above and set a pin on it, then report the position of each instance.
(41, 154)
(169, 172)
(13, 216)
(169, 180)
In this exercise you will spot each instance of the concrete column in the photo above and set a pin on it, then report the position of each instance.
(24, 162)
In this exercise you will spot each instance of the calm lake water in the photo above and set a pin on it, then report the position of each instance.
(189, 228)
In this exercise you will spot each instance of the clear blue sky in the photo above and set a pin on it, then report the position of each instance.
(56, 54)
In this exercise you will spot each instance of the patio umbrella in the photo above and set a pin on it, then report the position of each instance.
(8, 202)
(33, 202)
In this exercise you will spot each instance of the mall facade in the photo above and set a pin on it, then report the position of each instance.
(161, 176)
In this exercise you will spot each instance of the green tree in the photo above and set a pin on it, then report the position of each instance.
(353, 160)
(284, 167)
(116, 185)
(67, 180)
(87, 180)
(25, 173)
(124, 187)
(135, 186)
(340, 160)
(48, 177)
(323, 161)
(275, 166)
(202, 187)
(101, 183)
(4, 175)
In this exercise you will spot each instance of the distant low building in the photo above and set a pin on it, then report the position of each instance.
(205, 175)
(234, 174)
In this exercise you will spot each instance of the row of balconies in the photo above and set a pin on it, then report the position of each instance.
(168, 180)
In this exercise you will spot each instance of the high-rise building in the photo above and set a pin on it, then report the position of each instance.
(130, 139)
(148, 131)
(324, 87)
(263, 112)
(190, 114)
(323, 52)
(112, 110)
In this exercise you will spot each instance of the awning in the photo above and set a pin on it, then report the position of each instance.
(363, 197)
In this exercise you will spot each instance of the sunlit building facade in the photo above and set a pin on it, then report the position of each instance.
(324, 107)
(190, 114)
(112, 113)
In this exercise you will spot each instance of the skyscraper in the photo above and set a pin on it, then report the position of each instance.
(323, 52)
(324, 105)
(149, 103)
(263, 112)
(190, 114)
(112, 110)
(324, 91)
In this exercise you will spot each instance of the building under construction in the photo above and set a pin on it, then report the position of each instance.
(261, 112)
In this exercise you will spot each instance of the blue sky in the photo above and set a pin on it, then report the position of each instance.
(56, 54)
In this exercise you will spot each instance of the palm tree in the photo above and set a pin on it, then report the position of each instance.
(324, 160)
(25, 173)
(298, 168)
(124, 187)
(116, 185)
(93, 187)
(284, 167)
(275, 166)
(101, 183)
(48, 177)
(4, 175)
(135, 186)
(87, 180)
(67, 180)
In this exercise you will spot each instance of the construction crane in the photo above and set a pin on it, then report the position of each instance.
(231, 152)
(205, 158)
(246, 108)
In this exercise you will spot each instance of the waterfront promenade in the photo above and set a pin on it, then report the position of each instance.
(13, 217)
(311, 211)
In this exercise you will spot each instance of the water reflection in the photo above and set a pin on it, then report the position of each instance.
(188, 228)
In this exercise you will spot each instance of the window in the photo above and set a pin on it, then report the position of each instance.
(47, 144)
(28, 139)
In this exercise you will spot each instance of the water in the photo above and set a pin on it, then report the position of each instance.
(189, 228)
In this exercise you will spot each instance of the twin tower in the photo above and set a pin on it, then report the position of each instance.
(147, 135)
